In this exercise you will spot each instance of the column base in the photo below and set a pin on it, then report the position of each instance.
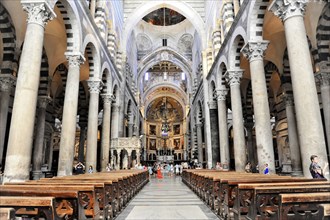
(37, 174)
(298, 173)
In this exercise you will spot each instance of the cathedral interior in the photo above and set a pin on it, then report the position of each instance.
(126, 82)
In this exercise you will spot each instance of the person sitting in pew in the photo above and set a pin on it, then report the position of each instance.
(315, 168)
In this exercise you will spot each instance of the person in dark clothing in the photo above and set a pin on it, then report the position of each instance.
(80, 168)
(315, 168)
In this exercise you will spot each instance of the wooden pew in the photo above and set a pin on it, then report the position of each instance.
(45, 206)
(245, 193)
(76, 201)
(302, 206)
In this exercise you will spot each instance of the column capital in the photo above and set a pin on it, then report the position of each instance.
(39, 12)
(233, 77)
(74, 58)
(221, 94)
(115, 108)
(43, 101)
(94, 85)
(255, 50)
(107, 98)
(212, 104)
(285, 9)
(288, 99)
(7, 82)
(323, 78)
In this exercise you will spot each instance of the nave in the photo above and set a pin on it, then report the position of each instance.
(166, 198)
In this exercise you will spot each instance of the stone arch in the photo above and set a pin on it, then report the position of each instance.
(106, 80)
(165, 54)
(222, 69)
(179, 6)
(323, 35)
(212, 88)
(115, 93)
(234, 55)
(158, 95)
(93, 59)
(255, 21)
(7, 30)
(69, 13)
(168, 84)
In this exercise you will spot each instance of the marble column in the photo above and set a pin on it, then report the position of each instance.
(39, 140)
(311, 135)
(115, 121)
(252, 155)
(94, 86)
(118, 159)
(236, 6)
(93, 7)
(223, 127)
(112, 156)
(105, 144)
(6, 84)
(138, 156)
(25, 102)
(234, 78)
(69, 119)
(130, 129)
(50, 156)
(323, 77)
(254, 52)
(129, 159)
(82, 139)
(293, 136)
(214, 133)
(199, 143)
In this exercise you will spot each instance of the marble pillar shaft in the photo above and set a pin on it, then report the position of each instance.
(92, 128)
(19, 149)
(254, 51)
(69, 121)
(293, 136)
(223, 127)
(6, 84)
(200, 143)
(82, 138)
(311, 135)
(39, 139)
(324, 80)
(115, 121)
(130, 130)
(105, 144)
(234, 77)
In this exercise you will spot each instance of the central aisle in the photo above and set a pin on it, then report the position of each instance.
(166, 198)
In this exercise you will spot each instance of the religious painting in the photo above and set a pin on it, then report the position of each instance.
(152, 129)
(176, 129)
(176, 143)
(152, 144)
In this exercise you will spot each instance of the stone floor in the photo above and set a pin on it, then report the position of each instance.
(166, 198)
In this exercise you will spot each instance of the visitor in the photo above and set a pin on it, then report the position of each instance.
(315, 168)
(248, 167)
(108, 168)
(79, 168)
(266, 169)
(90, 169)
(159, 173)
(177, 171)
(218, 166)
(150, 170)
